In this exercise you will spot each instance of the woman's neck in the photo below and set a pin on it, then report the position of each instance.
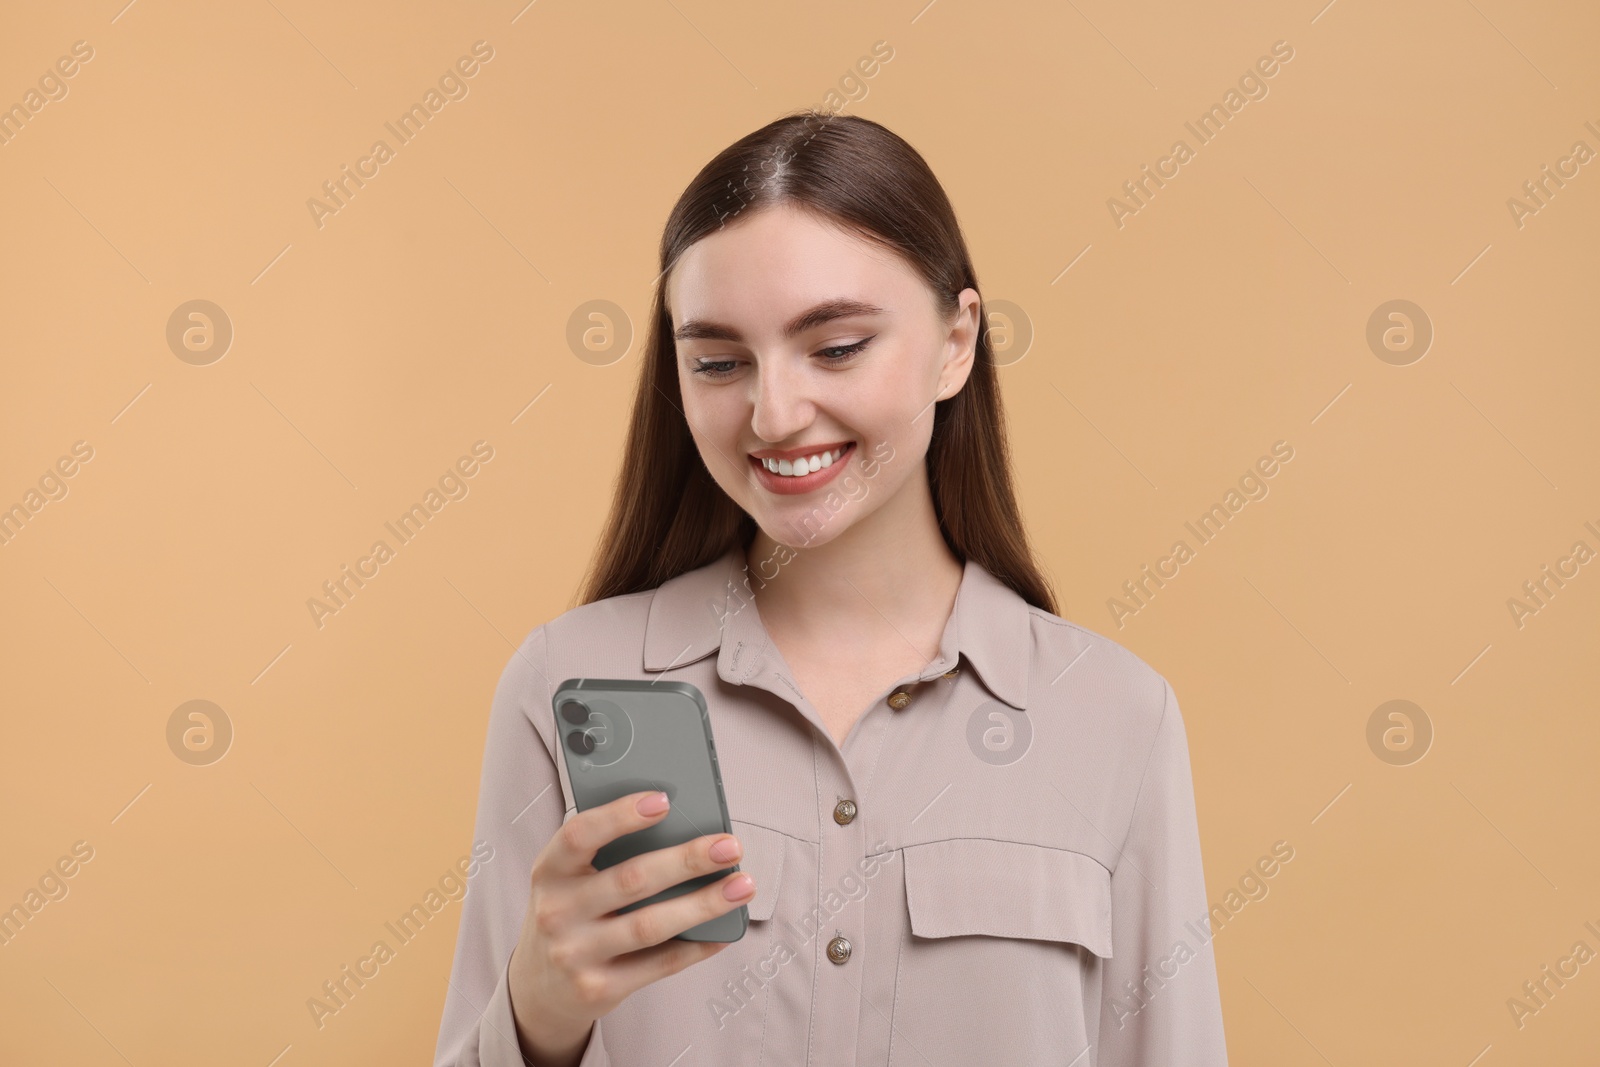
(889, 565)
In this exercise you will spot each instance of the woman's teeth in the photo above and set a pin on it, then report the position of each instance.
(801, 467)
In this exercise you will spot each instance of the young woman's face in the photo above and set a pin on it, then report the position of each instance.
(798, 341)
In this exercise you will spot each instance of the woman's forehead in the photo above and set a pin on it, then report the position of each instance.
(769, 272)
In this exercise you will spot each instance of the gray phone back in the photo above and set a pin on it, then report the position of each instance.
(620, 736)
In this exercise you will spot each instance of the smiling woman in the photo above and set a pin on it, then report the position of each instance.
(896, 695)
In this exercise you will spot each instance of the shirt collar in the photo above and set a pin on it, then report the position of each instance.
(712, 609)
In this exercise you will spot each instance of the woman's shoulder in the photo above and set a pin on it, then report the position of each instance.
(601, 639)
(599, 633)
(1071, 662)
(1115, 717)
(620, 636)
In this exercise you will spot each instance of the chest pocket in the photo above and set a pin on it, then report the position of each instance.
(1006, 939)
(763, 859)
(1009, 889)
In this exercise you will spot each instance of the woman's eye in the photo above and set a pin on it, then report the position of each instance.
(722, 368)
(843, 352)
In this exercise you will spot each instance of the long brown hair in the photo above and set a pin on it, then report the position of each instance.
(669, 515)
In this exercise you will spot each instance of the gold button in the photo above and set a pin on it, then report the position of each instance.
(839, 950)
(952, 672)
(844, 811)
(899, 699)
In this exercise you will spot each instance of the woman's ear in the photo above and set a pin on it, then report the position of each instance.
(961, 345)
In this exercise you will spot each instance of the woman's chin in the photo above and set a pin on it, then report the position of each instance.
(799, 527)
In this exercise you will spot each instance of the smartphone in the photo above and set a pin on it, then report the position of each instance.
(620, 736)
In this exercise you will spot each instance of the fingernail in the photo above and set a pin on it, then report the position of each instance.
(654, 804)
(726, 850)
(738, 887)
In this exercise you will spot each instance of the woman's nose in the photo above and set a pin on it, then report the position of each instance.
(782, 405)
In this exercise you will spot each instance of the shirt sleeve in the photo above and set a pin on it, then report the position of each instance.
(1160, 1002)
(520, 807)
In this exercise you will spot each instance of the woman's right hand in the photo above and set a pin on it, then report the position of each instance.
(565, 971)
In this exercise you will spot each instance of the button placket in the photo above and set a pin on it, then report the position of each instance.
(839, 853)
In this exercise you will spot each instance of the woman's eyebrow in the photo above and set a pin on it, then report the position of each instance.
(827, 311)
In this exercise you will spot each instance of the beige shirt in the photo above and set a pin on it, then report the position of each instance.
(1004, 870)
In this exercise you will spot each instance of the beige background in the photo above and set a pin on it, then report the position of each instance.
(368, 354)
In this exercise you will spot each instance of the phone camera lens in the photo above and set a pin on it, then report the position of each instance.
(574, 712)
(580, 742)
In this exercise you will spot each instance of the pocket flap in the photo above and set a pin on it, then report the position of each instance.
(763, 861)
(975, 885)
